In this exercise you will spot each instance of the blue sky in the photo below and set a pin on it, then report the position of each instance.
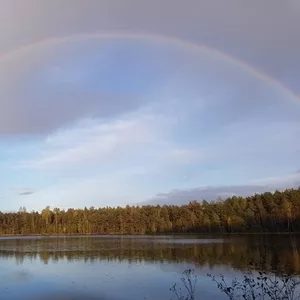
(116, 121)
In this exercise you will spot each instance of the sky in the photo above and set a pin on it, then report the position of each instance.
(114, 103)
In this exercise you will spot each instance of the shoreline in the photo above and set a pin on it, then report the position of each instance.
(152, 235)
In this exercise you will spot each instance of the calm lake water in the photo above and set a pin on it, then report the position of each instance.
(133, 267)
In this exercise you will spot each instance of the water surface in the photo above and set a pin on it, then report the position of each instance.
(133, 267)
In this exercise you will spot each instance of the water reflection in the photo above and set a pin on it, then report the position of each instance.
(273, 252)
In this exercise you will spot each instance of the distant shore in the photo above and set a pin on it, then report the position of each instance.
(152, 235)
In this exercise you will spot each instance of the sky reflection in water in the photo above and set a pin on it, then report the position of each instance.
(130, 267)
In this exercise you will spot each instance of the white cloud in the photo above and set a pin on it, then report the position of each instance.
(107, 161)
(93, 142)
(142, 139)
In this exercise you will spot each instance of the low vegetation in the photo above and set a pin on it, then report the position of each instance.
(188, 288)
(253, 286)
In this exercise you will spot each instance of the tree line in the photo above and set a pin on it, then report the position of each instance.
(268, 212)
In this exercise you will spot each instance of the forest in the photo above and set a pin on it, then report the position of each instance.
(268, 212)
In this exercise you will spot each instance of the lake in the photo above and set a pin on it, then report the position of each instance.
(133, 267)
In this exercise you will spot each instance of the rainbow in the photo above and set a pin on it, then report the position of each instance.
(189, 46)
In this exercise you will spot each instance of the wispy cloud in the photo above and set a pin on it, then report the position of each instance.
(26, 193)
(23, 191)
(94, 142)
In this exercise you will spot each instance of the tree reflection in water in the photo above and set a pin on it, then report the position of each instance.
(270, 252)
